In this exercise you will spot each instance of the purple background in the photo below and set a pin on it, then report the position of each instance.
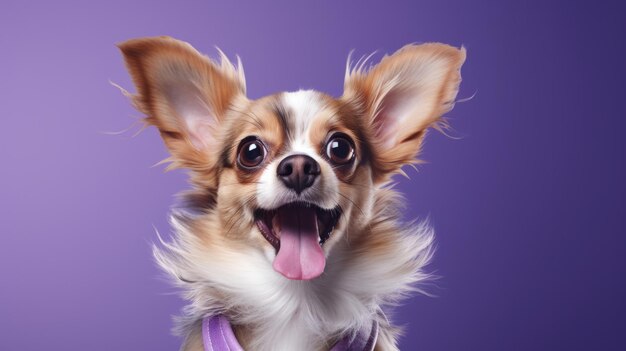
(529, 203)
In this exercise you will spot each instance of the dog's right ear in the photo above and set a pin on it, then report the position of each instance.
(184, 94)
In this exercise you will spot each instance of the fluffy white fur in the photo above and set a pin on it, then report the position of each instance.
(289, 314)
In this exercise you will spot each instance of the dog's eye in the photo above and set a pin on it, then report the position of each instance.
(340, 149)
(251, 153)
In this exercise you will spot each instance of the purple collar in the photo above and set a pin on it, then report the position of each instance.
(217, 335)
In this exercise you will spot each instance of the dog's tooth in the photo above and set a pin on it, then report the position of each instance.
(276, 225)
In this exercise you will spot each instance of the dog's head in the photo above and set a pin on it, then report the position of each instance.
(290, 174)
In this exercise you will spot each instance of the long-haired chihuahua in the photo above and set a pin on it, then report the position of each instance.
(290, 238)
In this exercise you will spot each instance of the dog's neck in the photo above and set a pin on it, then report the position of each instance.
(217, 335)
(294, 315)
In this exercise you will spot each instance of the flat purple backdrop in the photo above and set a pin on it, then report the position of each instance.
(528, 196)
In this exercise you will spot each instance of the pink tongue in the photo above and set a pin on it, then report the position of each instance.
(300, 255)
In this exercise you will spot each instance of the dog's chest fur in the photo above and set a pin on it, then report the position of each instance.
(272, 313)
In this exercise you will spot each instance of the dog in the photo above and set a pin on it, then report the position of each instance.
(290, 237)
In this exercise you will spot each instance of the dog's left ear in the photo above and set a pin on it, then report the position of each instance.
(401, 97)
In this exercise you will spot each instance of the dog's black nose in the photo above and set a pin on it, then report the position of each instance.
(298, 172)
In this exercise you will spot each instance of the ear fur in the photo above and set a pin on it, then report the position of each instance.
(184, 94)
(401, 97)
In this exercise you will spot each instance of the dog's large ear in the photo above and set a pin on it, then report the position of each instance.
(401, 97)
(184, 94)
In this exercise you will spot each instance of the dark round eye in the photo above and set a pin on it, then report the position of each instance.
(251, 153)
(339, 149)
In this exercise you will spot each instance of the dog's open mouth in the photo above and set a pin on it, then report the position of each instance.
(297, 231)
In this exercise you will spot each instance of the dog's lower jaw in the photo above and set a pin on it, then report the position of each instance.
(298, 231)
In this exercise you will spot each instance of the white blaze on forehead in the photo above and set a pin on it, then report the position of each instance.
(302, 107)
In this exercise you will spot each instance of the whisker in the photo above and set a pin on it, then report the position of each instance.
(238, 212)
(369, 226)
(363, 186)
(237, 183)
(254, 119)
(353, 203)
